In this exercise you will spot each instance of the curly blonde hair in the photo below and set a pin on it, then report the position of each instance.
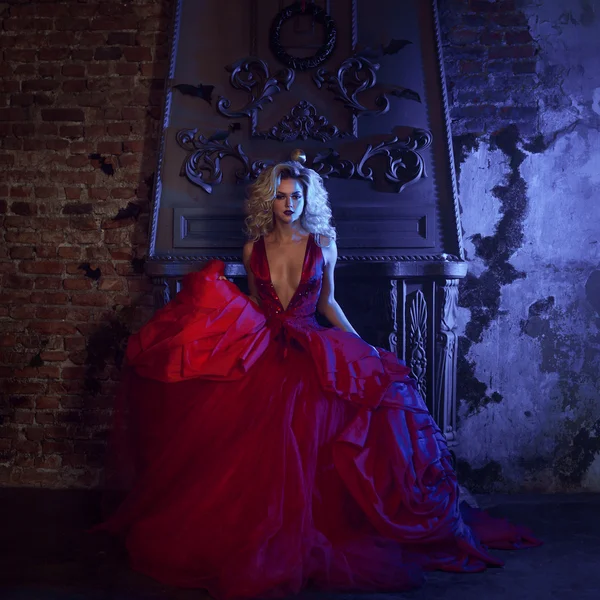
(316, 216)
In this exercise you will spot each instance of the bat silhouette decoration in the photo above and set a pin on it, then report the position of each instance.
(105, 164)
(220, 135)
(94, 274)
(329, 158)
(131, 210)
(395, 46)
(199, 91)
(392, 48)
(137, 264)
(400, 92)
(37, 361)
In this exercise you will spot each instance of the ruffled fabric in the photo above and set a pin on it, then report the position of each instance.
(268, 453)
(209, 330)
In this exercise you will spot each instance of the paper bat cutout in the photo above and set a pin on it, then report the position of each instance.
(405, 93)
(105, 164)
(37, 360)
(137, 264)
(392, 48)
(94, 274)
(331, 157)
(220, 135)
(199, 91)
(149, 181)
(395, 46)
(131, 210)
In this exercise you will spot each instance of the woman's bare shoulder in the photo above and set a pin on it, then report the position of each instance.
(324, 241)
(328, 249)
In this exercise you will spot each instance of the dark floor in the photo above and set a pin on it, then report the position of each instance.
(45, 556)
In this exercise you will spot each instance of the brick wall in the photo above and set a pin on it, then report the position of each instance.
(490, 61)
(80, 101)
(81, 93)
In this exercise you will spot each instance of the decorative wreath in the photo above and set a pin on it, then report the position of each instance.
(324, 51)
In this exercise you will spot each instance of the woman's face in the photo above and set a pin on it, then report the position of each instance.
(289, 201)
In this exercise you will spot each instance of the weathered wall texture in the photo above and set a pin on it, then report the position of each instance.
(81, 95)
(530, 307)
(80, 100)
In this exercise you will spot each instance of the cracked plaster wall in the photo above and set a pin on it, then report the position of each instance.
(529, 373)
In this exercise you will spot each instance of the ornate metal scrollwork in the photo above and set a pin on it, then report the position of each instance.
(324, 51)
(202, 166)
(404, 163)
(302, 122)
(418, 341)
(252, 75)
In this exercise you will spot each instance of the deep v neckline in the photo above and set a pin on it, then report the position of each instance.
(306, 249)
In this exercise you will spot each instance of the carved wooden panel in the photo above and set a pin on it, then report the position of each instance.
(357, 84)
(414, 318)
(193, 226)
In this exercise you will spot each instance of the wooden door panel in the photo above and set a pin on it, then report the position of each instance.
(385, 156)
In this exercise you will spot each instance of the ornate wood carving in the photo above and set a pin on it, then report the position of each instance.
(161, 291)
(331, 164)
(260, 85)
(448, 133)
(393, 315)
(444, 409)
(353, 88)
(252, 75)
(202, 166)
(158, 183)
(404, 163)
(413, 265)
(417, 347)
(323, 52)
(303, 122)
(355, 75)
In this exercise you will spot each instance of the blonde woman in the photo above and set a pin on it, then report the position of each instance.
(280, 214)
(272, 453)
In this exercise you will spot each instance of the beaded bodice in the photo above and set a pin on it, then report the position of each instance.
(304, 301)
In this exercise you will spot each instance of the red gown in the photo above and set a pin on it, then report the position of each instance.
(272, 453)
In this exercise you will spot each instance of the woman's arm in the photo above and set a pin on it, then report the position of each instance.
(246, 254)
(327, 304)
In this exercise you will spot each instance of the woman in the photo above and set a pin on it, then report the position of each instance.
(272, 453)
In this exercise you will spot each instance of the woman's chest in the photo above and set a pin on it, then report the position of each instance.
(285, 264)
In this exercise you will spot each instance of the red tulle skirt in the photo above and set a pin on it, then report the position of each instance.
(265, 453)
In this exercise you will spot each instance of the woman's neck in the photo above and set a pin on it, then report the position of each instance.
(288, 232)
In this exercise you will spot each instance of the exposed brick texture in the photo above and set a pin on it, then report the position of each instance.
(81, 87)
(490, 62)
